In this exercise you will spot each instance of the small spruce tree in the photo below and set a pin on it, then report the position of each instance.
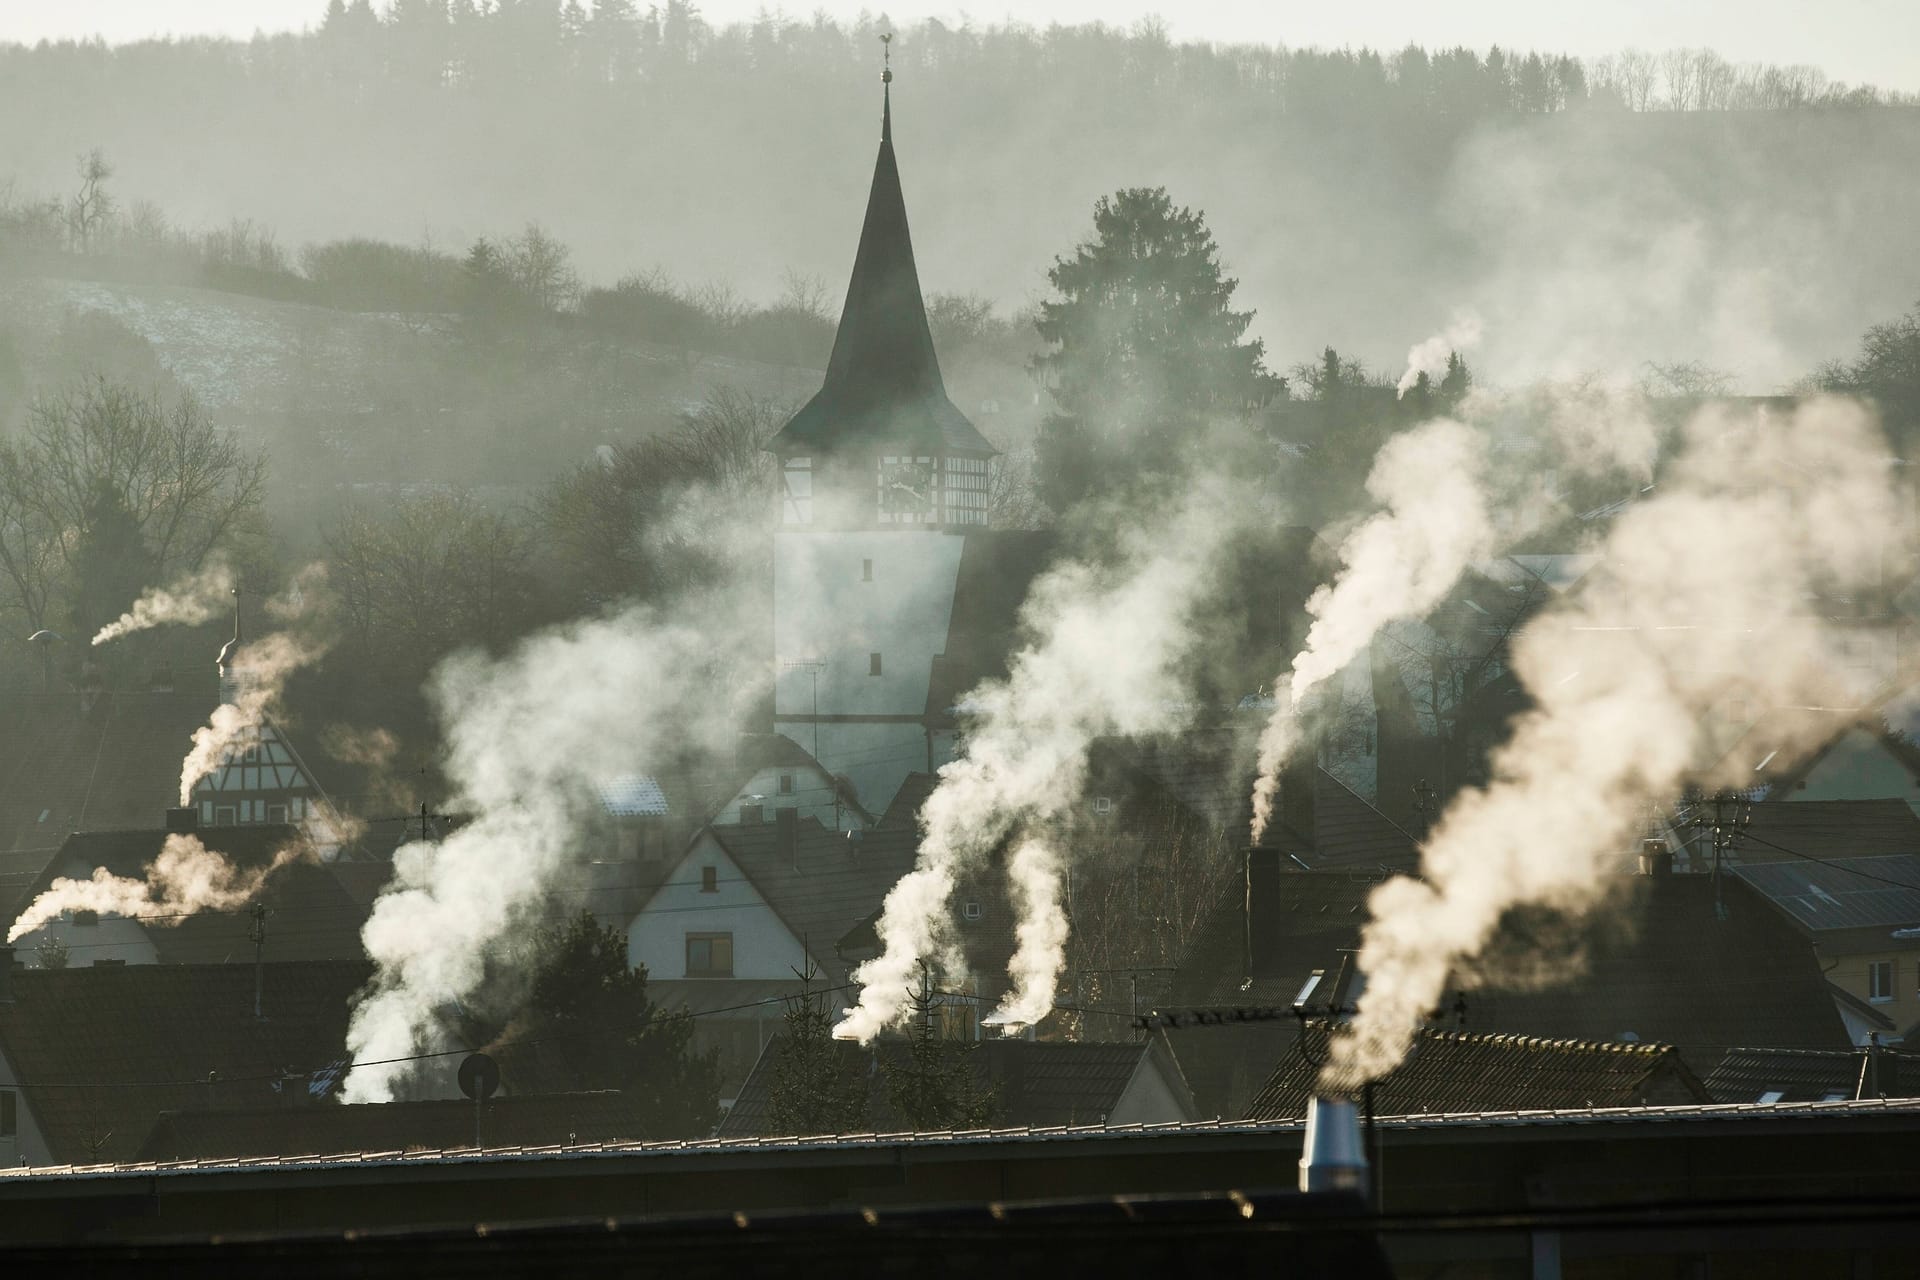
(933, 1087)
(813, 1091)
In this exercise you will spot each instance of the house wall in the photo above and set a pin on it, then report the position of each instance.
(1848, 971)
(763, 947)
(1859, 767)
(812, 795)
(27, 1145)
(113, 938)
(1148, 1098)
(826, 612)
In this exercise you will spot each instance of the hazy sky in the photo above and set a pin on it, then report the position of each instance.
(1876, 41)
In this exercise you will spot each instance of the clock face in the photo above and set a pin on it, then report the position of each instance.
(906, 486)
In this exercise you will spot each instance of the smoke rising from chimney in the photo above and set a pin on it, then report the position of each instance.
(199, 597)
(1430, 355)
(1707, 589)
(262, 667)
(1105, 657)
(1399, 563)
(186, 878)
(524, 736)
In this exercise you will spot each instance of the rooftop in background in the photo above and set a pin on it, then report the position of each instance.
(1778, 830)
(1037, 1083)
(556, 1119)
(1843, 893)
(633, 795)
(99, 1053)
(1812, 1075)
(830, 882)
(1460, 1071)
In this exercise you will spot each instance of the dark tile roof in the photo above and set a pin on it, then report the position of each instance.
(996, 569)
(1036, 1083)
(830, 884)
(1844, 893)
(904, 809)
(311, 916)
(20, 871)
(101, 1052)
(1812, 1075)
(1663, 964)
(1460, 1071)
(1787, 830)
(303, 1127)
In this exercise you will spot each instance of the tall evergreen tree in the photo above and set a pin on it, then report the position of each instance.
(1144, 346)
(813, 1092)
(933, 1087)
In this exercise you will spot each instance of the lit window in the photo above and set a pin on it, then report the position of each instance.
(873, 664)
(1880, 981)
(709, 880)
(710, 955)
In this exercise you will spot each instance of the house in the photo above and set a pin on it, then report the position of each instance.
(1813, 1075)
(1862, 916)
(1035, 1084)
(749, 909)
(1466, 1071)
(773, 772)
(1669, 959)
(1814, 754)
(91, 1057)
(521, 1120)
(310, 914)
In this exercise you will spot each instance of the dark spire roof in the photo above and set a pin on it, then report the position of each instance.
(883, 383)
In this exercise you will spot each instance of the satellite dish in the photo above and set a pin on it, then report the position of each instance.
(479, 1077)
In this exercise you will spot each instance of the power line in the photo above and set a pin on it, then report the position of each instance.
(1865, 875)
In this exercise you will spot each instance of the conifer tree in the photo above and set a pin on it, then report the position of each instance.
(813, 1091)
(932, 1088)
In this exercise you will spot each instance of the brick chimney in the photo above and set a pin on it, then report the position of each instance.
(1655, 858)
(184, 820)
(1263, 913)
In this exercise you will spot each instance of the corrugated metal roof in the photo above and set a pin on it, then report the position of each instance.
(1844, 893)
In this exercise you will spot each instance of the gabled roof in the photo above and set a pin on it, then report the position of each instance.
(883, 382)
(830, 883)
(1037, 1083)
(324, 1129)
(1793, 830)
(101, 1052)
(1843, 893)
(1812, 1075)
(904, 809)
(1775, 751)
(1461, 1071)
(311, 915)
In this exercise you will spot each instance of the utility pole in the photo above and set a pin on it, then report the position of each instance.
(257, 934)
(1725, 815)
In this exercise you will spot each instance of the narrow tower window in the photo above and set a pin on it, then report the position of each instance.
(873, 664)
(866, 571)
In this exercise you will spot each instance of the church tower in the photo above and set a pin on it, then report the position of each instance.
(883, 478)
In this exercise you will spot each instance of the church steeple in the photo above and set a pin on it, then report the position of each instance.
(883, 393)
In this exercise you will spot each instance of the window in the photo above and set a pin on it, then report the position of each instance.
(709, 955)
(1103, 804)
(277, 813)
(972, 911)
(1880, 981)
(873, 664)
(752, 815)
(866, 571)
(9, 1113)
(709, 879)
(786, 784)
(223, 816)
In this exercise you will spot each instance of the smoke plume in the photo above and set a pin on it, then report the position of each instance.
(261, 668)
(199, 597)
(186, 878)
(1707, 589)
(1399, 563)
(527, 737)
(1105, 658)
(1430, 355)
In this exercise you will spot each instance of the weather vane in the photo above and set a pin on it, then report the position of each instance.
(886, 57)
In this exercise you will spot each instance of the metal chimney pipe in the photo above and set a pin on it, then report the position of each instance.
(1333, 1158)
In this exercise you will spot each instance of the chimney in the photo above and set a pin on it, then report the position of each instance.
(6, 973)
(1655, 858)
(227, 661)
(1263, 913)
(1333, 1158)
(786, 834)
(1297, 780)
(184, 820)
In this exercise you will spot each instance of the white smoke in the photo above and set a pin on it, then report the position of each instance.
(199, 597)
(528, 736)
(186, 878)
(261, 668)
(1399, 563)
(1106, 659)
(1430, 355)
(1705, 591)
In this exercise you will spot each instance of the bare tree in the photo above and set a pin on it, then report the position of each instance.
(1678, 66)
(541, 268)
(1634, 74)
(92, 204)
